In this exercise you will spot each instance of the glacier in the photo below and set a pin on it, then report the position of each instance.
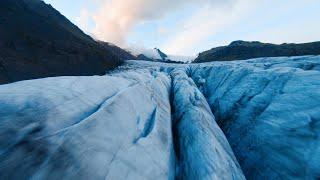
(252, 119)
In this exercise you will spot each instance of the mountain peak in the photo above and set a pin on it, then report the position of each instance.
(244, 43)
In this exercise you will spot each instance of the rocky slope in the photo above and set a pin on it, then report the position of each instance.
(37, 41)
(241, 50)
(119, 52)
(254, 119)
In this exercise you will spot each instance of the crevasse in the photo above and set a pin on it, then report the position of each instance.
(202, 150)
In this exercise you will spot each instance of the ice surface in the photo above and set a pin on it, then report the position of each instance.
(106, 127)
(269, 109)
(185, 59)
(149, 120)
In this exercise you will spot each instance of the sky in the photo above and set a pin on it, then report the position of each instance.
(187, 27)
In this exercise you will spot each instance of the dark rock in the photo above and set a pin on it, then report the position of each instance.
(241, 50)
(162, 54)
(36, 41)
(121, 53)
(143, 57)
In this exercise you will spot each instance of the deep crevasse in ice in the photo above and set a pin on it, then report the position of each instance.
(202, 150)
(119, 126)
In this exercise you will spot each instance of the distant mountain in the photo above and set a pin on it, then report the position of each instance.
(37, 41)
(241, 50)
(157, 55)
(154, 54)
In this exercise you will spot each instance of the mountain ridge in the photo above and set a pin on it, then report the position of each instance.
(242, 50)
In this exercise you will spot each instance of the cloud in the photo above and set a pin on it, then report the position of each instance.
(83, 19)
(114, 19)
(204, 23)
(191, 26)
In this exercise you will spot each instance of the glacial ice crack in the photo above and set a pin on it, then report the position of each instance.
(148, 126)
